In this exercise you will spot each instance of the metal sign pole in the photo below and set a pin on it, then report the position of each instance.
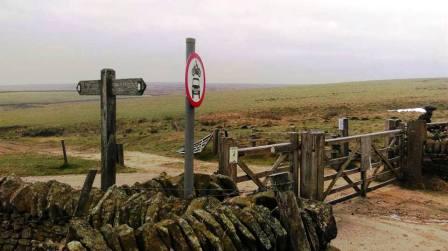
(189, 135)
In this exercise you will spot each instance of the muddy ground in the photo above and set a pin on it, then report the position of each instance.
(391, 218)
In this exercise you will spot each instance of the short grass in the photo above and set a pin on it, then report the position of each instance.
(38, 165)
(155, 124)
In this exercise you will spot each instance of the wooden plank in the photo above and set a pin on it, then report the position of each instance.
(347, 186)
(349, 181)
(366, 143)
(386, 162)
(312, 165)
(294, 161)
(348, 172)
(338, 175)
(128, 87)
(344, 198)
(382, 184)
(264, 147)
(244, 178)
(251, 174)
(356, 137)
(318, 163)
(85, 193)
(305, 164)
(276, 165)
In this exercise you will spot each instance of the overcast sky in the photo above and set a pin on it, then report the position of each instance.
(250, 41)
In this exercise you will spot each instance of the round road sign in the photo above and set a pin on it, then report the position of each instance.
(195, 80)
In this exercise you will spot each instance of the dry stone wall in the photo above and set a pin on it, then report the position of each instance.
(151, 216)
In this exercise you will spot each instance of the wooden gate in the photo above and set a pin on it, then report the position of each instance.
(286, 155)
(372, 156)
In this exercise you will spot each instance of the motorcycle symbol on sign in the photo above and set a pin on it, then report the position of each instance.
(196, 73)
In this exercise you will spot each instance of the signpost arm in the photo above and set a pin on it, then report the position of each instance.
(189, 134)
(108, 114)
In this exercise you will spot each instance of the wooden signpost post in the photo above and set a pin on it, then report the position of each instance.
(108, 88)
(195, 93)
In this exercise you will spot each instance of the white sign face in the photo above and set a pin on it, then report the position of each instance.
(341, 124)
(233, 152)
(195, 80)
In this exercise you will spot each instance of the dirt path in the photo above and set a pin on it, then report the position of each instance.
(392, 218)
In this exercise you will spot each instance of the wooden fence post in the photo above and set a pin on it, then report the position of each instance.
(294, 161)
(416, 132)
(312, 165)
(85, 193)
(120, 154)
(343, 129)
(64, 152)
(216, 136)
(366, 158)
(225, 167)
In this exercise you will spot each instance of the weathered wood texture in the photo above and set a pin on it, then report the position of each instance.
(215, 146)
(366, 159)
(294, 161)
(108, 129)
(64, 152)
(312, 165)
(120, 154)
(85, 193)
(416, 132)
(126, 87)
(225, 167)
(343, 130)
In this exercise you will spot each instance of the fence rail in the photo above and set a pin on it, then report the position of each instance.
(357, 161)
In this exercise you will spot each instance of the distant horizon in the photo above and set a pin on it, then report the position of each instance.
(246, 83)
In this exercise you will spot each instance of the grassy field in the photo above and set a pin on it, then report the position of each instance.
(154, 124)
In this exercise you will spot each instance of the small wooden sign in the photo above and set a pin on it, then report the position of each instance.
(233, 155)
(125, 87)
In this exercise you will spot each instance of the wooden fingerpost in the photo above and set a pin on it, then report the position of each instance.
(416, 133)
(108, 129)
(85, 193)
(366, 147)
(290, 212)
(294, 161)
(108, 88)
(312, 165)
(64, 152)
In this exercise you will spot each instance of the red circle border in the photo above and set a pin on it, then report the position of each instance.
(192, 56)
